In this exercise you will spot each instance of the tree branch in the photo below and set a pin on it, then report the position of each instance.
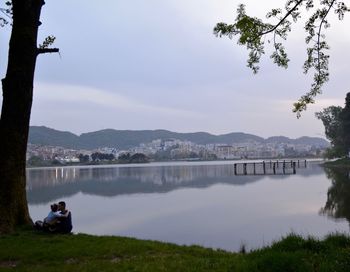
(5, 13)
(282, 20)
(48, 50)
(319, 34)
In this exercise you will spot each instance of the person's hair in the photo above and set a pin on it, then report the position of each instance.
(62, 203)
(54, 207)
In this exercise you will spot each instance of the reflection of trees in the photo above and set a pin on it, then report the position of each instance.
(45, 185)
(338, 196)
(158, 175)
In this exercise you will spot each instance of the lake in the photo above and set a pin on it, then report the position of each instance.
(202, 203)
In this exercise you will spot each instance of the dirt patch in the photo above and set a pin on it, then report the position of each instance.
(9, 264)
(116, 260)
(71, 261)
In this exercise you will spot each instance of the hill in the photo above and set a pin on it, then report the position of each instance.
(124, 139)
(313, 141)
(48, 136)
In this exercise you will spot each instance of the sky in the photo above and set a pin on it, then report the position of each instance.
(139, 65)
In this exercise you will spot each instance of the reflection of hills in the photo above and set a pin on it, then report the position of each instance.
(45, 185)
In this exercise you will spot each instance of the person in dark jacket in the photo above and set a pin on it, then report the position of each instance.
(65, 219)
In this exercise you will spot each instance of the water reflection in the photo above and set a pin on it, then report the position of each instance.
(188, 203)
(338, 196)
(45, 185)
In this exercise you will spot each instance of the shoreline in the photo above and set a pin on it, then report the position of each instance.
(338, 163)
(169, 163)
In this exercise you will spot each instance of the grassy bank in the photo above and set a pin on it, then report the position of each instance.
(340, 163)
(28, 251)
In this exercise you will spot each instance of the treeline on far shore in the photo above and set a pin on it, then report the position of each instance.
(37, 161)
(95, 159)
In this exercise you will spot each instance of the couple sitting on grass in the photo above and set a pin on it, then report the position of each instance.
(59, 220)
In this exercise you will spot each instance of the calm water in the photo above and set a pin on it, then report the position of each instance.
(195, 203)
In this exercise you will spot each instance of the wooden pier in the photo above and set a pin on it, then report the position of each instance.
(285, 167)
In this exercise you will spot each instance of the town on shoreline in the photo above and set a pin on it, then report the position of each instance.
(168, 150)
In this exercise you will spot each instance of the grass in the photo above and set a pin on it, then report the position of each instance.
(30, 251)
(340, 163)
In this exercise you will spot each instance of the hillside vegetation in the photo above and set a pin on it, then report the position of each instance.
(125, 139)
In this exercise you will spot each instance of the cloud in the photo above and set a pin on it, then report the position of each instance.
(156, 64)
(102, 99)
(81, 109)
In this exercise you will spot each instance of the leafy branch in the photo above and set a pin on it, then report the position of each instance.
(44, 47)
(251, 33)
(7, 12)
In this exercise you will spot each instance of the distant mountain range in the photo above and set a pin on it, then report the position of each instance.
(124, 139)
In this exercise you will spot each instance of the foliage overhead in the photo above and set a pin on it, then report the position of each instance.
(49, 40)
(251, 32)
(6, 17)
(6, 13)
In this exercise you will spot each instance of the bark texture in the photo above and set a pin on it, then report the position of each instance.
(15, 115)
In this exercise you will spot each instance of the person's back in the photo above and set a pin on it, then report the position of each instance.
(65, 219)
(65, 225)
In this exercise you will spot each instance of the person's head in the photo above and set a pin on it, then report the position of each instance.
(54, 207)
(62, 206)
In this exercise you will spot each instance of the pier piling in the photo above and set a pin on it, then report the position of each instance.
(268, 168)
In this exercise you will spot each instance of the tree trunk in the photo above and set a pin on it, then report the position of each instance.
(15, 114)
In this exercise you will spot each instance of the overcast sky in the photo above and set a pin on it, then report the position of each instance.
(135, 64)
